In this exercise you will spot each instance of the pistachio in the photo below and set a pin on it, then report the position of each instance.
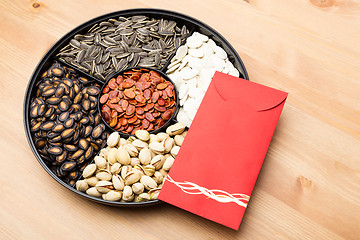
(139, 144)
(178, 140)
(113, 139)
(108, 166)
(144, 197)
(154, 193)
(153, 138)
(142, 135)
(134, 161)
(123, 156)
(112, 196)
(157, 147)
(131, 139)
(104, 186)
(128, 194)
(145, 156)
(115, 168)
(158, 177)
(148, 182)
(168, 143)
(92, 181)
(138, 168)
(158, 161)
(104, 175)
(100, 162)
(112, 156)
(175, 129)
(152, 154)
(132, 150)
(118, 182)
(163, 172)
(82, 186)
(138, 188)
(161, 136)
(125, 170)
(174, 151)
(89, 170)
(136, 198)
(131, 177)
(93, 192)
(104, 153)
(184, 134)
(149, 170)
(122, 142)
(169, 161)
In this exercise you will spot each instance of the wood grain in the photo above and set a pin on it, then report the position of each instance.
(309, 186)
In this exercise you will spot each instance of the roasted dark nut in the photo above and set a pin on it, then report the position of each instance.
(69, 123)
(98, 130)
(64, 116)
(40, 143)
(61, 158)
(36, 127)
(62, 119)
(84, 144)
(53, 100)
(55, 151)
(67, 133)
(68, 166)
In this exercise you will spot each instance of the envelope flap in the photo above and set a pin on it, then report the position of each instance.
(261, 98)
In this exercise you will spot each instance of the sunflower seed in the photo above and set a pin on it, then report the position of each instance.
(107, 24)
(110, 40)
(131, 38)
(105, 57)
(99, 76)
(130, 57)
(99, 69)
(120, 65)
(135, 49)
(99, 57)
(89, 51)
(157, 59)
(122, 55)
(74, 43)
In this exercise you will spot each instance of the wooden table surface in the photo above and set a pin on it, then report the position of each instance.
(309, 185)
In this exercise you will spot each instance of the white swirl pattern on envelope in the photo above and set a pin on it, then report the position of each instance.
(217, 195)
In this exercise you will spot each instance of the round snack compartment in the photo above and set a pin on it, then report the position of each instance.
(48, 59)
(65, 127)
(164, 76)
(122, 203)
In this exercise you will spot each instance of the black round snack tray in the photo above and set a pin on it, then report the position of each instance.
(48, 59)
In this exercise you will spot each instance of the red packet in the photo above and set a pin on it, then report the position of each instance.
(217, 166)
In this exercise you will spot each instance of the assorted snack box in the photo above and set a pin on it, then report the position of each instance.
(101, 115)
(109, 107)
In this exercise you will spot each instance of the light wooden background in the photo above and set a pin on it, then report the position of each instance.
(309, 186)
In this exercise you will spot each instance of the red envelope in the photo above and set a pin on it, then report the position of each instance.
(217, 166)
